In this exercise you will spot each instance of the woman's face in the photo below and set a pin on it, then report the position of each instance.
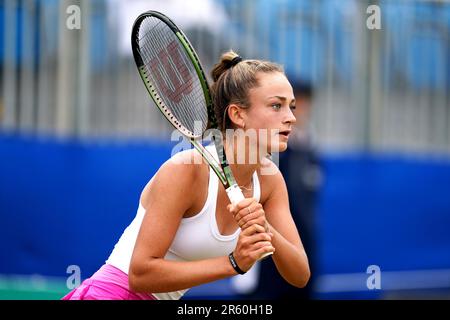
(270, 113)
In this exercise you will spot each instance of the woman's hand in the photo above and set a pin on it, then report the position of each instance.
(249, 212)
(252, 243)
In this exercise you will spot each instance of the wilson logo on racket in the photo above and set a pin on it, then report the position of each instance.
(176, 70)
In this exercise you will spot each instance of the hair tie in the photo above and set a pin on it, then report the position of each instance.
(235, 61)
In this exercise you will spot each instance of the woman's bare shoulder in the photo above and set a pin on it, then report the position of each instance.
(179, 174)
(270, 178)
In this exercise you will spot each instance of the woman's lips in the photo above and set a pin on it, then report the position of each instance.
(285, 133)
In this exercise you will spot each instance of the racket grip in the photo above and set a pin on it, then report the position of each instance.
(235, 194)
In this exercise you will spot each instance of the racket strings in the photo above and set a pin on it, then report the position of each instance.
(173, 75)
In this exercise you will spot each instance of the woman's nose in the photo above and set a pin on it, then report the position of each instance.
(290, 117)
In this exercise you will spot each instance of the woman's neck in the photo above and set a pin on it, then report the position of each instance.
(242, 163)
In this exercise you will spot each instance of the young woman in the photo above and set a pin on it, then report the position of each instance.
(185, 227)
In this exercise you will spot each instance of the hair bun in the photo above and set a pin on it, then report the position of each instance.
(235, 61)
(229, 59)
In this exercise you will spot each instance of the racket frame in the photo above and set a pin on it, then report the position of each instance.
(222, 170)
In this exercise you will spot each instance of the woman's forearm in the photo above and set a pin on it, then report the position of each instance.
(291, 261)
(160, 275)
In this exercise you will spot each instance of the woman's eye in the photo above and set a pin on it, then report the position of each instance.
(276, 106)
(293, 107)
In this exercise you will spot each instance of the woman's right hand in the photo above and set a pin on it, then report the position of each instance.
(252, 243)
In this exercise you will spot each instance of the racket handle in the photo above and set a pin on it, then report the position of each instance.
(235, 194)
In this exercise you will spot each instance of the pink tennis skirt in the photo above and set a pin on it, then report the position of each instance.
(108, 283)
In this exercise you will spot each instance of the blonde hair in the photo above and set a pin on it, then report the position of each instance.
(233, 78)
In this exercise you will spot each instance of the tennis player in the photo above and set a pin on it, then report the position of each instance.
(186, 232)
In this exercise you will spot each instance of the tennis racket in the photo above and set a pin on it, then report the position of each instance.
(175, 80)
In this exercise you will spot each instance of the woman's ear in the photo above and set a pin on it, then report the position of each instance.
(236, 115)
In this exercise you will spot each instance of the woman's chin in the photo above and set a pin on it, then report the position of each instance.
(282, 147)
(278, 147)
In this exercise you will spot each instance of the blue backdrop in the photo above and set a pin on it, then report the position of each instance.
(67, 202)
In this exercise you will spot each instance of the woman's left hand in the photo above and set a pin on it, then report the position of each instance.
(249, 212)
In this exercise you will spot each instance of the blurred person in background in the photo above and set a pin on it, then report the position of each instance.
(301, 169)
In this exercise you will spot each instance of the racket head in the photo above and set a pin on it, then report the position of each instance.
(174, 78)
(172, 73)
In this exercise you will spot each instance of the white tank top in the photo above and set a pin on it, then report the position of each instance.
(197, 237)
